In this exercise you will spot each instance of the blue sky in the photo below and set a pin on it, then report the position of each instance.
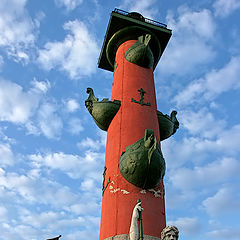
(52, 153)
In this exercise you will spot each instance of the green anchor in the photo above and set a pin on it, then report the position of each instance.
(142, 92)
(105, 187)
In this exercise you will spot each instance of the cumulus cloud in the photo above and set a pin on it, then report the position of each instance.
(212, 85)
(202, 123)
(225, 201)
(72, 105)
(74, 166)
(225, 8)
(49, 121)
(190, 45)
(213, 173)
(146, 8)
(76, 54)
(17, 29)
(68, 4)
(17, 105)
(225, 233)
(197, 149)
(36, 190)
(93, 144)
(75, 126)
(6, 154)
(188, 226)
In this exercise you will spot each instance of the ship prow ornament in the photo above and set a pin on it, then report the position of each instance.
(102, 111)
(142, 163)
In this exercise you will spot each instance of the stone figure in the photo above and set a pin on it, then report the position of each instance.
(134, 229)
(169, 233)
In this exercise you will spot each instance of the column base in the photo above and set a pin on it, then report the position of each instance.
(126, 237)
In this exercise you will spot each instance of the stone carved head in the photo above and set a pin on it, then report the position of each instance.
(169, 233)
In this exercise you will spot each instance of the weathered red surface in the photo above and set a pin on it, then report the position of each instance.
(127, 127)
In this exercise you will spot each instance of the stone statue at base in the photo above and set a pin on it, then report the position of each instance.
(168, 233)
(134, 229)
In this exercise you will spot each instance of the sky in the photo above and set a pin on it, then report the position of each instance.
(51, 151)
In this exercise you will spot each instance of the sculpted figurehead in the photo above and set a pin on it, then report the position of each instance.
(169, 233)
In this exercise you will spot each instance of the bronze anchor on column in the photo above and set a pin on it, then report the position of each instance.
(141, 102)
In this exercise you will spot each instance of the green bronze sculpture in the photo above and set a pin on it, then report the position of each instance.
(142, 163)
(168, 125)
(102, 112)
(140, 53)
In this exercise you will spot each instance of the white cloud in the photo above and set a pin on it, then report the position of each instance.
(1, 62)
(72, 105)
(36, 190)
(76, 55)
(93, 144)
(188, 226)
(197, 149)
(6, 154)
(17, 105)
(49, 121)
(225, 8)
(3, 214)
(146, 8)
(68, 4)
(213, 173)
(225, 201)
(212, 85)
(75, 126)
(17, 30)
(225, 233)
(74, 166)
(190, 45)
(201, 123)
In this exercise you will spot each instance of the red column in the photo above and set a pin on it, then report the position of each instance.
(127, 127)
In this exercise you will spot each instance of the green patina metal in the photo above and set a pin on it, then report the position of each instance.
(132, 33)
(168, 125)
(140, 53)
(142, 163)
(108, 181)
(141, 102)
(125, 26)
(103, 111)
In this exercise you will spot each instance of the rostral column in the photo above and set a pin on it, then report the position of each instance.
(134, 164)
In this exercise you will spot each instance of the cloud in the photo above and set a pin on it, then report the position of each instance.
(36, 190)
(213, 173)
(188, 226)
(17, 105)
(212, 85)
(17, 29)
(1, 62)
(74, 166)
(202, 123)
(225, 201)
(225, 8)
(68, 4)
(49, 121)
(197, 149)
(94, 144)
(225, 233)
(146, 8)
(72, 105)
(75, 126)
(6, 155)
(190, 45)
(76, 55)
